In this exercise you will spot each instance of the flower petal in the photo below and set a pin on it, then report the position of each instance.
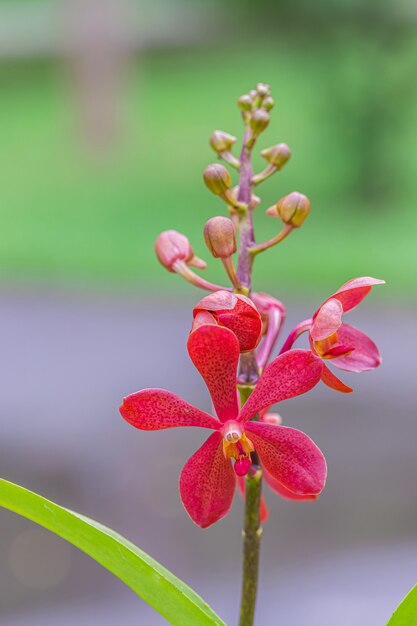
(290, 374)
(333, 381)
(291, 457)
(354, 291)
(263, 513)
(214, 350)
(235, 312)
(217, 301)
(207, 483)
(327, 320)
(364, 355)
(283, 492)
(157, 409)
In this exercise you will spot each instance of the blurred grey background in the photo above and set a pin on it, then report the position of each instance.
(346, 559)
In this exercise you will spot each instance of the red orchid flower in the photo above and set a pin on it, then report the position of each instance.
(347, 347)
(237, 313)
(331, 339)
(208, 479)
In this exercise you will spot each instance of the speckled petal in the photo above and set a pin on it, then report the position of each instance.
(291, 457)
(207, 483)
(291, 374)
(214, 350)
(354, 291)
(279, 489)
(157, 409)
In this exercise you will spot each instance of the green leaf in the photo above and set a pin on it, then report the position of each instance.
(168, 595)
(406, 612)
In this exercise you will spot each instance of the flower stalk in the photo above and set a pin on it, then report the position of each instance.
(252, 534)
(248, 377)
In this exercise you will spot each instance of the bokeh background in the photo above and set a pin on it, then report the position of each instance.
(106, 107)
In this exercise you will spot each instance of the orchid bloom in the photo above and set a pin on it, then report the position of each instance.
(331, 339)
(208, 479)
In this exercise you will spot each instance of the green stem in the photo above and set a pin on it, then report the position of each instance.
(252, 533)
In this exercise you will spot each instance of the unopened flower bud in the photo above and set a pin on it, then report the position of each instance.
(217, 178)
(263, 90)
(259, 120)
(245, 102)
(272, 418)
(291, 209)
(253, 94)
(171, 246)
(268, 103)
(221, 141)
(235, 312)
(277, 155)
(220, 236)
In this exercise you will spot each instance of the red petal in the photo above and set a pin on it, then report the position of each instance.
(214, 350)
(364, 355)
(333, 381)
(207, 483)
(217, 301)
(354, 291)
(291, 457)
(290, 374)
(338, 350)
(156, 409)
(203, 318)
(327, 320)
(235, 312)
(285, 493)
(263, 513)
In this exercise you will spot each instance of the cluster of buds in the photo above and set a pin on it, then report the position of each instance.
(222, 235)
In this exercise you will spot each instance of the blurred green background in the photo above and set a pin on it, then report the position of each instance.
(85, 209)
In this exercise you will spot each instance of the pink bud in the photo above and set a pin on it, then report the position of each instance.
(220, 236)
(272, 418)
(172, 246)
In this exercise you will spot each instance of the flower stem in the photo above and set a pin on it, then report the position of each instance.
(248, 369)
(182, 269)
(247, 379)
(252, 533)
(283, 233)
